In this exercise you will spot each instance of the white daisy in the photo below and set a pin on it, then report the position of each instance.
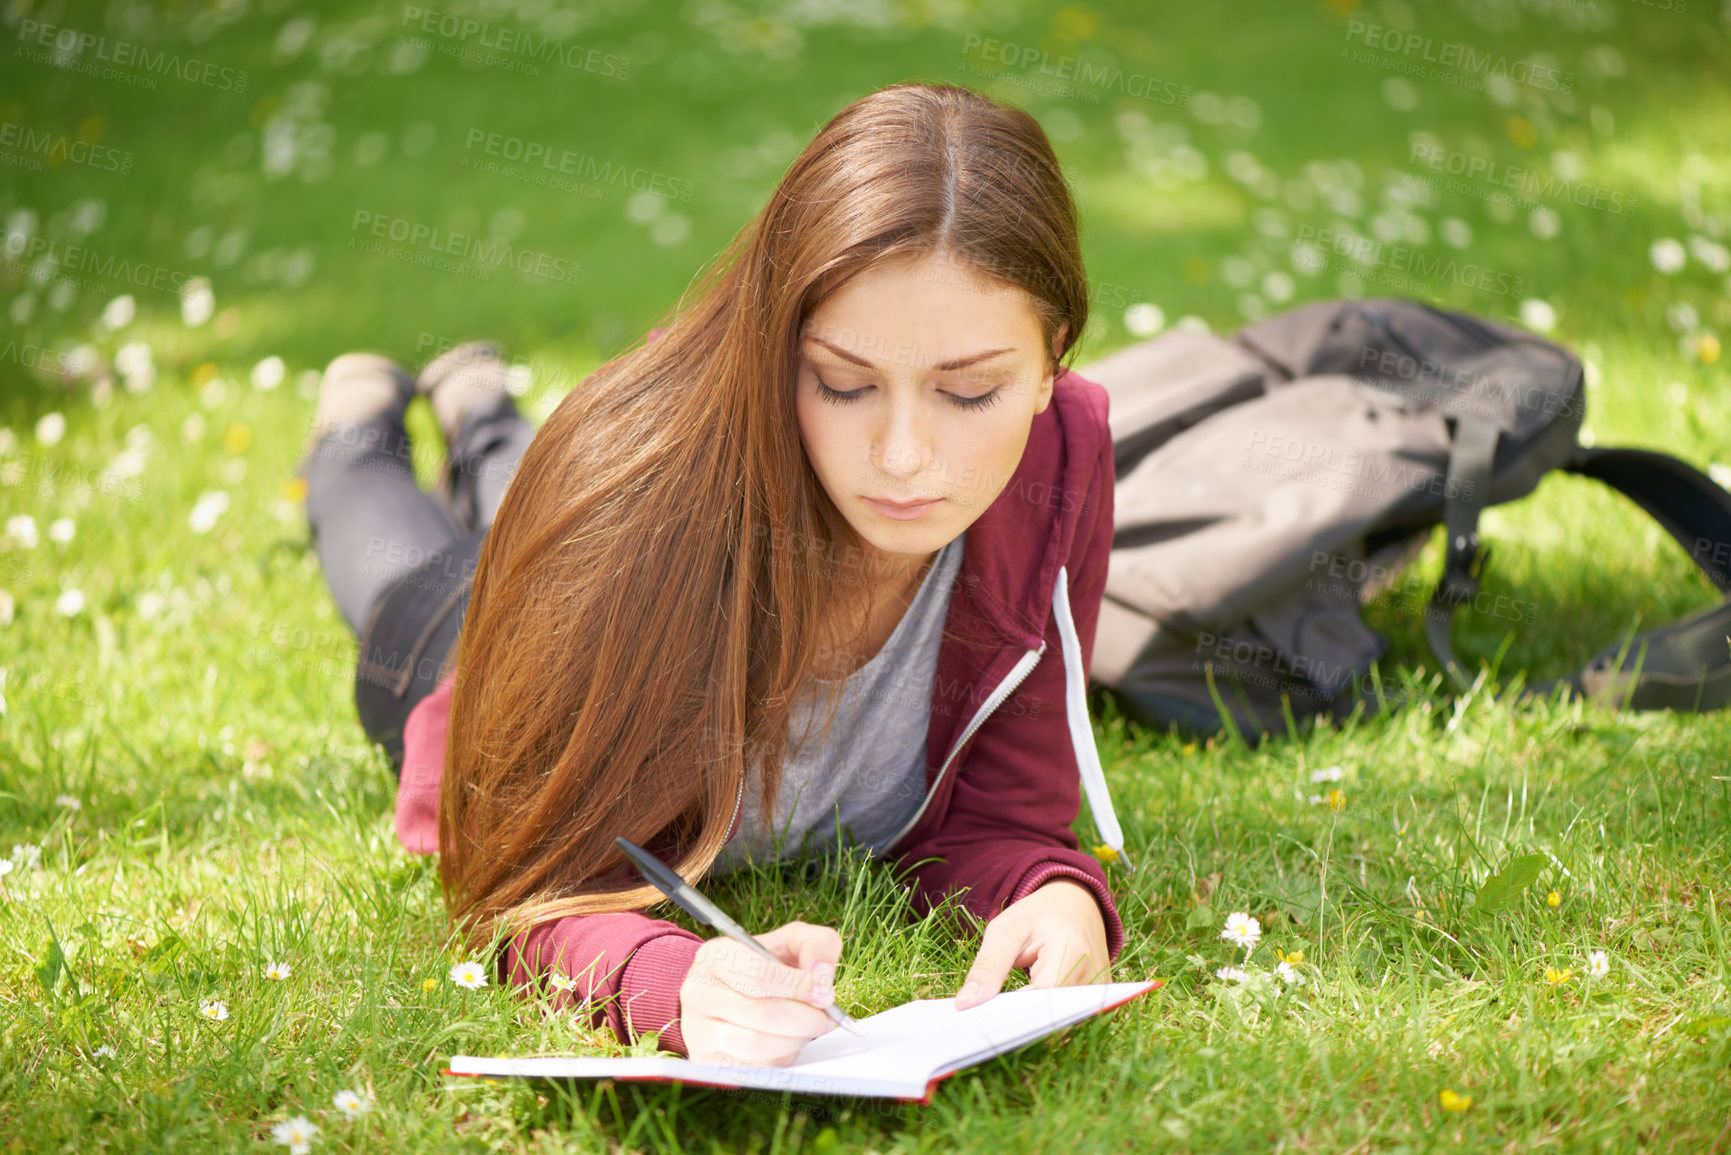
(213, 1009)
(1232, 975)
(267, 374)
(61, 530)
(118, 313)
(278, 971)
(21, 528)
(1288, 974)
(6, 867)
(70, 603)
(296, 1134)
(103, 1052)
(1538, 315)
(1144, 319)
(469, 975)
(1326, 774)
(1598, 964)
(136, 365)
(1668, 255)
(197, 302)
(68, 801)
(206, 510)
(561, 982)
(1242, 930)
(350, 1104)
(50, 429)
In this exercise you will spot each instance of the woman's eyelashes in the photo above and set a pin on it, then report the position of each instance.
(836, 397)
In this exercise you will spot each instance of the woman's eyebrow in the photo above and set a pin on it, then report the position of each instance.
(957, 363)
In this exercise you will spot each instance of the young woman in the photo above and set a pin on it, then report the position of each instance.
(821, 558)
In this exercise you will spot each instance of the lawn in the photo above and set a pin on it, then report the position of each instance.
(187, 799)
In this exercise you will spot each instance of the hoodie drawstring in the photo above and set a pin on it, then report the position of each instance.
(1081, 732)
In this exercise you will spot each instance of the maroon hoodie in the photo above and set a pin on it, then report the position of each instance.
(1008, 750)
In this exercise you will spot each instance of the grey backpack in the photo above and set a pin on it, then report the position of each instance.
(1271, 482)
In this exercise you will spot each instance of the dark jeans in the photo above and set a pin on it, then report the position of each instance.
(399, 560)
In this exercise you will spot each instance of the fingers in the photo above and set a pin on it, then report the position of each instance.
(795, 1020)
(1001, 948)
(802, 945)
(738, 1006)
(1060, 963)
(811, 952)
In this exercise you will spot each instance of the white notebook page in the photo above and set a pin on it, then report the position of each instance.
(901, 1050)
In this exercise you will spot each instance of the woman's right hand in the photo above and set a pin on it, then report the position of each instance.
(736, 1006)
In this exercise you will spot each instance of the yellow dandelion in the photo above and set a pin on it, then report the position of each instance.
(1292, 957)
(295, 489)
(1105, 853)
(1336, 799)
(1453, 1102)
(1553, 900)
(430, 984)
(238, 437)
(1556, 977)
(1708, 349)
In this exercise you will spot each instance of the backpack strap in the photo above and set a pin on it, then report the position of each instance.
(1471, 459)
(1690, 505)
(1683, 666)
(1686, 665)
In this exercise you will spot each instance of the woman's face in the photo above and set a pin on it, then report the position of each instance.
(940, 373)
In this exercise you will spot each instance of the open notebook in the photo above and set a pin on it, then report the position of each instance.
(900, 1054)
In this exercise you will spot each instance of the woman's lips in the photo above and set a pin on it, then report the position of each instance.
(903, 512)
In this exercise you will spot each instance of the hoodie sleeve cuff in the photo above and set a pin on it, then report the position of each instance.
(649, 988)
(1048, 869)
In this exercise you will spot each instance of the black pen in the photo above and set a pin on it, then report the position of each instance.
(704, 911)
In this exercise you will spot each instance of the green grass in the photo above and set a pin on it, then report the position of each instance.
(231, 815)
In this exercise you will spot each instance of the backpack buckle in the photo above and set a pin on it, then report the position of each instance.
(1463, 562)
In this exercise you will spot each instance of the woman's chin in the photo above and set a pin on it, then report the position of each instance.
(910, 543)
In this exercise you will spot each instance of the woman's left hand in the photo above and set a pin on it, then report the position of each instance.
(1056, 931)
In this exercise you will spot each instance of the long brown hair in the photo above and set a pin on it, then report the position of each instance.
(654, 588)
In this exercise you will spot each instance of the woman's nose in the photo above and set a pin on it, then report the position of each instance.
(904, 445)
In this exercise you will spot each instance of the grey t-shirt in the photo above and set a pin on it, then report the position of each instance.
(872, 772)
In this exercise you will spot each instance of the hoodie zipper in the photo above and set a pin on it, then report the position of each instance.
(1023, 667)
